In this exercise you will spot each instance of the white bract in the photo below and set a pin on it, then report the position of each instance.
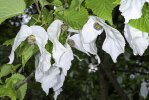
(62, 54)
(78, 43)
(131, 9)
(114, 43)
(64, 63)
(84, 47)
(50, 78)
(137, 39)
(39, 34)
(144, 90)
(44, 73)
(89, 33)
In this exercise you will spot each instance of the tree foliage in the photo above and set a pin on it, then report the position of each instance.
(87, 79)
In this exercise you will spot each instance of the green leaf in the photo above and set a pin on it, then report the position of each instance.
(143, 22)
(102, 8)
(117, 2)
(29, 2)
(13, 81)
(74, 18)
(32, 21)
(5, 70)
(14, 68)
(10, 8)
(57, 3)
(10, 92)
(62, 37)
(28, 52)
(47, 18)
(9, 42)
(75, 3)
(44, 2)
(49, 46)
(20, 49)
(59, 6)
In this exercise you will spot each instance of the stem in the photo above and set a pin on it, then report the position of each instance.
(38, 9)
(31, 16)
(26, 80)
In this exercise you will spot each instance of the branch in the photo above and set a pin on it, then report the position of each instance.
(26, 80)
(36, 3)
(20, 70)
(129, 71)
(112, 78)
(108, 71)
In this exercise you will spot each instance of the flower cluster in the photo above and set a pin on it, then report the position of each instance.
(53, 75)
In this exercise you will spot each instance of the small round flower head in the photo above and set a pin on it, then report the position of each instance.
(97, 26)
(64, 27)
(132, 76)
(71, 42)
(31, 39)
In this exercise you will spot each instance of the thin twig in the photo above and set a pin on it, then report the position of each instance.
(26, 80)
(36, 3)
(130, 71)
(20, 70)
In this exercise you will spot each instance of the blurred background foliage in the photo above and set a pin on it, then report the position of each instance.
(80, 84)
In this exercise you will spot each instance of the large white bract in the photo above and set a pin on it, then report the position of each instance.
(62, 54)
(38, 32)
(131, 9)
(137, 39)
(144, 89)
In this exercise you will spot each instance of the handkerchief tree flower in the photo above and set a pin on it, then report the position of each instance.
(97, 29)
(62, 54)
(137, 39)
(114, 43)
(34, 34)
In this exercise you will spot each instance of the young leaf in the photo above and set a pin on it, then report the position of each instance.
(44, 2)
(9, 42)
(14, 68)
(117, 2)
(32, 21)
(10, 92)
(102, 8)
(47, 18)
(142, 23)
(28, 51)
(5, 70)
(57, 3)
(10, 8)
(13, 81)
